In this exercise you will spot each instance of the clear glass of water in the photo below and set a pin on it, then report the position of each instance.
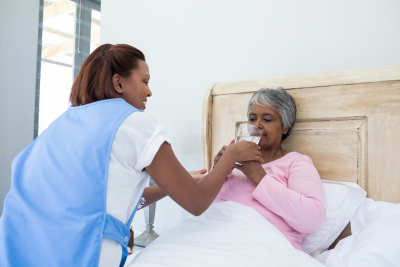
(248, 132)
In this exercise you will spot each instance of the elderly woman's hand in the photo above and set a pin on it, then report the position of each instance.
(253, 170)
(198, 175)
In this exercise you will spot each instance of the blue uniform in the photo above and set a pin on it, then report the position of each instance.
(55, 212)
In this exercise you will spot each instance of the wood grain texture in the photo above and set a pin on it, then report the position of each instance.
(311, 80)
(347, 122)
(332, 141)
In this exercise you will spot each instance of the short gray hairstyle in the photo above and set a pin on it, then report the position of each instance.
(279, 100)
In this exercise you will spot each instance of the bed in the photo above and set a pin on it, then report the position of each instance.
(349, 119)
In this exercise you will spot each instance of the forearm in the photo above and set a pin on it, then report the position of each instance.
(153, 194)
(174, 180)
(305, 213)
(211, 184)
(177, 183)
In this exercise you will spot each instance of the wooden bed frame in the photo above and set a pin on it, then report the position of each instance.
(348, 122)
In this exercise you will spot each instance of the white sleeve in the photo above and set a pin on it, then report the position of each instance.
(135, 144)
(143, 135)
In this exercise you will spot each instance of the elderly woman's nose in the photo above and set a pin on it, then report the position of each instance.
(257, 123)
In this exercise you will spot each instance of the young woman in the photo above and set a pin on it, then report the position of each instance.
(76, 187)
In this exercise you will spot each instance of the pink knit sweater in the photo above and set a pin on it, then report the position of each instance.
(290, 196)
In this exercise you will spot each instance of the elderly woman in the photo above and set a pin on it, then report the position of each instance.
(286, 189)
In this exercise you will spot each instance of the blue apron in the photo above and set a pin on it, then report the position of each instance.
(55, 212)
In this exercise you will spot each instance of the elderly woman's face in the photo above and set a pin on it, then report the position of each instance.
(269, 121)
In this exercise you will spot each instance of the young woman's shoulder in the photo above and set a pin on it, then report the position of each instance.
(140, 118)
(140, 136)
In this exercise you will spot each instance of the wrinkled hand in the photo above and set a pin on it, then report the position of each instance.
(253, 170)
(197, 175)
(245, 151)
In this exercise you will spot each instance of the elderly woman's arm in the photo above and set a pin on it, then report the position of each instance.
(301, 204)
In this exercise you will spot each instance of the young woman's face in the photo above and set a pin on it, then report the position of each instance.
(270, 123)
(135, 89)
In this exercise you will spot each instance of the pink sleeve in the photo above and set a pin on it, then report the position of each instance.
(301, 204)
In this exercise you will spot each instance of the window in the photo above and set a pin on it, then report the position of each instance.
(70, 31)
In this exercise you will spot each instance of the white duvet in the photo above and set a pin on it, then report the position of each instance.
(227, 234)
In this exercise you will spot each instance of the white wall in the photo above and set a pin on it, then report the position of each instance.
(19, 22)
(191, 44)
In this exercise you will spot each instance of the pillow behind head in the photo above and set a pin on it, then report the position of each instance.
(342, 200)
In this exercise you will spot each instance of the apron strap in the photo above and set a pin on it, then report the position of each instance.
(125, 246)
(134, 211)
(118, 231)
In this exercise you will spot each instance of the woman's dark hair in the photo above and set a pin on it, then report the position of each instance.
(94, 80)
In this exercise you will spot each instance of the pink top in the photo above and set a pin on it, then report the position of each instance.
(290, 196)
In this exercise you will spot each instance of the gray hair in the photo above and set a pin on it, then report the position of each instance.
(279, 100)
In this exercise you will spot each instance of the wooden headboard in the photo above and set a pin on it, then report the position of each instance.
(348, 122)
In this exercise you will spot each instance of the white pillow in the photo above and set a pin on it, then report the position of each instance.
(341, 202)
(375, 240)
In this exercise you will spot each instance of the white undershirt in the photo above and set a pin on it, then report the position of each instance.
(135, 144)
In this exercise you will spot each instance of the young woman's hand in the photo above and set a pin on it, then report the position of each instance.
(253, 170)
(221, 152)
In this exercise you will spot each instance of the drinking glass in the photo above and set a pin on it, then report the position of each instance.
(248, 132)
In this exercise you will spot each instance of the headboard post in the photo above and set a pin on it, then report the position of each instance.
(206, 127)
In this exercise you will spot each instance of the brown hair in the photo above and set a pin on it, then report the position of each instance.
(94, 80)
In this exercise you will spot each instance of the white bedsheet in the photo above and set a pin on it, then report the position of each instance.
(227, 234)
(375, 239)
